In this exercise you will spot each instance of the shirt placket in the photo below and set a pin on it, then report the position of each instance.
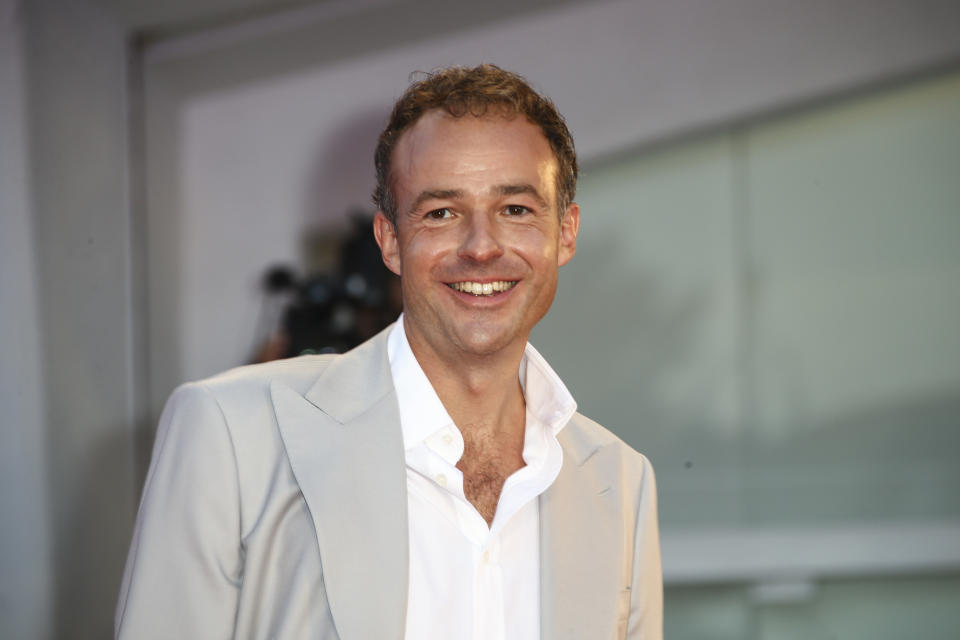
(489, 606)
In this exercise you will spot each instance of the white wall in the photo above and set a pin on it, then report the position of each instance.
(254, 138)
(26, 580)
(77, 127)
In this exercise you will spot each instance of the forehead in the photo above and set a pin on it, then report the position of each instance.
(472, 153)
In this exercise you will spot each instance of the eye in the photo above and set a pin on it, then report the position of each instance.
(516, 210)
(439, 214)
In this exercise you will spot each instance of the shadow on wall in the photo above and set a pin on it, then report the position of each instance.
(647, 360)
(92, 547)
(896, 461)
(341, 178)
(643, 335)
(642, 357)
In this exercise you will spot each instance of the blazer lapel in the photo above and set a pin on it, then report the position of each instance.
(344, 443)
(581, 542)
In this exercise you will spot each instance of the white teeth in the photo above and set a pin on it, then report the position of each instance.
(485, 288)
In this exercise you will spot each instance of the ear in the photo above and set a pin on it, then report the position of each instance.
(386, 234)
(569, 228)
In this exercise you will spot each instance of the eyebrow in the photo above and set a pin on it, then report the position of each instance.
(435, 194)
(501, 190)
(517, 189)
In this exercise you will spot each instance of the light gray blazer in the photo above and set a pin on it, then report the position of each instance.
(275, 507)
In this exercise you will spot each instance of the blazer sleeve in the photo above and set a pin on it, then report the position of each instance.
(185, 567)
(646, 598)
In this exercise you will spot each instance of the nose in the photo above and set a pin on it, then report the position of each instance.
(480, 241)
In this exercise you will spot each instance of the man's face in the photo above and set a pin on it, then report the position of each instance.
(478, 238)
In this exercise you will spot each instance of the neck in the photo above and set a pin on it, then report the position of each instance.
(483, 396)
(482, 393)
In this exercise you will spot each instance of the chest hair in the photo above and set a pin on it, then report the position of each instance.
(486, 464)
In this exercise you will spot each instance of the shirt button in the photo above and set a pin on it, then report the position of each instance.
(441, 479)
(486, 557)
(447, 438)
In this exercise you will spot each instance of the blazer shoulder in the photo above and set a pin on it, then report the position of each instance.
(586, 435)
(240, 398)
(297, 373)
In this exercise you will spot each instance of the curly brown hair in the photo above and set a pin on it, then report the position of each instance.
(460, 91)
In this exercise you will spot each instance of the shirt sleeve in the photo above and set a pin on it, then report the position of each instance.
(646, 599)
(185, 567)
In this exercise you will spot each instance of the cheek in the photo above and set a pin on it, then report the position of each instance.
(540, 245)
(420, 254)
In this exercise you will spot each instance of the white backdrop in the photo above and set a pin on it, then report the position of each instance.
(239, 169)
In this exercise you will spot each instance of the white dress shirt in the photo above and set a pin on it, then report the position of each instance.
(467, 579)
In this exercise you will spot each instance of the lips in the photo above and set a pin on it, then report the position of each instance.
(483, 288)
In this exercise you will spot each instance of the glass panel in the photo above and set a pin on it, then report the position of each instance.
(890, 609)
(772, 314)
(855, 252)
(643, 329)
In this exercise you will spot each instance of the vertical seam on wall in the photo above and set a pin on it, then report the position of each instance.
(139, 300)
(745, 298)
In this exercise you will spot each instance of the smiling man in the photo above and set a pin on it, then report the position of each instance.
(435, 482)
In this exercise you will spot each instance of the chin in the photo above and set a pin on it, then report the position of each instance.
(477, 341)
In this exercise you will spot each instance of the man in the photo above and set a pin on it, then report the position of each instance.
(435, 482)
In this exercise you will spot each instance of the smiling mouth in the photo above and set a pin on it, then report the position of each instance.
(483, 288)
